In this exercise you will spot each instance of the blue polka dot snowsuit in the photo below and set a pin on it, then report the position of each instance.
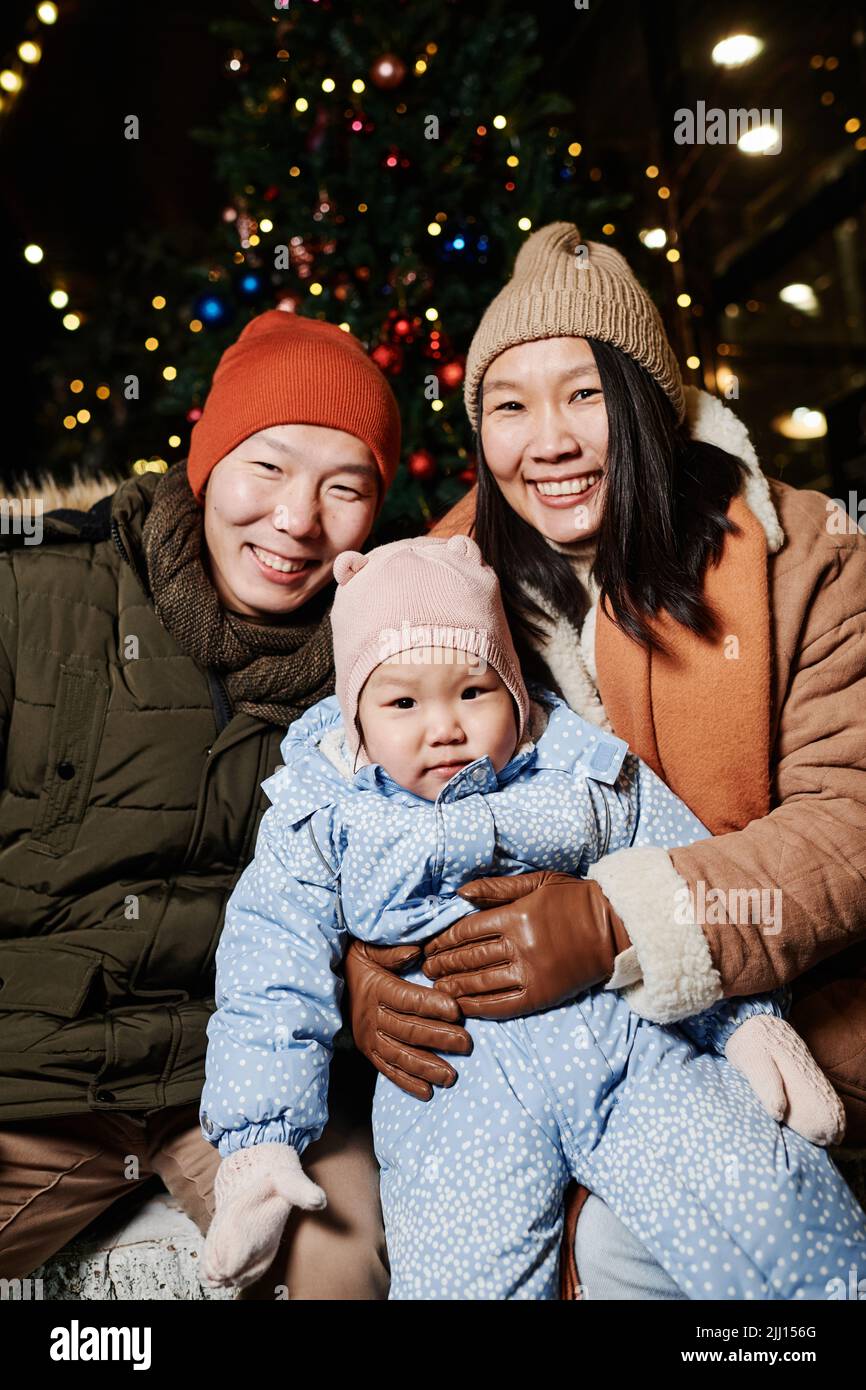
(652, 1119)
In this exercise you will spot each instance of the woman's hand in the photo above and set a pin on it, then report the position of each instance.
(539, 940)
(397, 1024)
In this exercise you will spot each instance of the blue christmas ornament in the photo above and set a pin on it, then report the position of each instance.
(211, 309)
(463, 246)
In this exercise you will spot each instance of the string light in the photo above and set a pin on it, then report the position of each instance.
(12, 74)
(27, 54)
(736, 50)
(760, 140)
(653, 238)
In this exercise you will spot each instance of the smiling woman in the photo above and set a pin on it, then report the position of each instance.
(555, 397)
(711, 621)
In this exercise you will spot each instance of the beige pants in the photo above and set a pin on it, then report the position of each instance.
(57, 1175)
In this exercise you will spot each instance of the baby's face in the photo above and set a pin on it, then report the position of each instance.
(425, 713)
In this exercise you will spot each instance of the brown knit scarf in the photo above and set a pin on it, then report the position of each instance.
(273, 670)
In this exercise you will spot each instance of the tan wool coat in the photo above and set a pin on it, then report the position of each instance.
(763, 734)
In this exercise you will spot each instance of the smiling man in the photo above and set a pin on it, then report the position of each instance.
(153, 652)
(276, 507)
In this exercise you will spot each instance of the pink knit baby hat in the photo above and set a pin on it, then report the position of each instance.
(421, 592)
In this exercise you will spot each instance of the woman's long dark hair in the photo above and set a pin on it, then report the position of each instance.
(664, 521)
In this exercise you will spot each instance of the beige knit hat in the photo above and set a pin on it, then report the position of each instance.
(563, 287)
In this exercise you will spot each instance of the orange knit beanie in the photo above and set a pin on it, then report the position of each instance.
(288, 370)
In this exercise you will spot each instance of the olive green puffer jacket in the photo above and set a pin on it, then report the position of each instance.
(129, 806)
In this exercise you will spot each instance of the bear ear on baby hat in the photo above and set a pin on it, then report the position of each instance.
(347, 563)
(464, 545)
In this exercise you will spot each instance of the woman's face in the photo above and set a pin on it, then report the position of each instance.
(544, 435)
(278, 510)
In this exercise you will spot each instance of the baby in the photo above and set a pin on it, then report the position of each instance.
(463, 775)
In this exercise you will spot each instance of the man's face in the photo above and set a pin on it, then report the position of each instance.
(278, 510)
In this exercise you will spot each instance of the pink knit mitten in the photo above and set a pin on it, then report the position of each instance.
(786, 1078)
(255, 1189)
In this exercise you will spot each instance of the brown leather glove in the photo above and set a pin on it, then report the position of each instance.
(396, 1024)
(538, 940)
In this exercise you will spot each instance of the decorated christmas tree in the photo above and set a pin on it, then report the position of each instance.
(381, 166)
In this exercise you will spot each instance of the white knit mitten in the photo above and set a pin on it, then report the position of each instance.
(255, 1189)
(786, 1078)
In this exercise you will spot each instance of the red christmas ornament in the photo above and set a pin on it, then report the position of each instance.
(388, 71)
(422, 465)
(395, 159)
(469, 473)
(390, 359)
(451, 374)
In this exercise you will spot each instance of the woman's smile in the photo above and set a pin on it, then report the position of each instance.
(561, 492)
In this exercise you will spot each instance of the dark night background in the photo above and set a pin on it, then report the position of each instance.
(71, 183)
